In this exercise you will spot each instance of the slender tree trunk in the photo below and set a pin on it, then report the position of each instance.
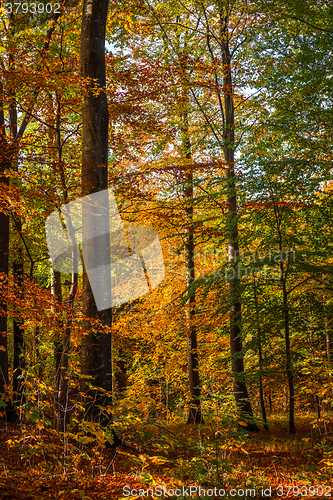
(5, 163)
(38, 364)
(58, 341)
(18, 271)
(236, 347)
(285, 305)
(96, 344)
(289, 367)
(261, 389)
(62, 345)
(315, 395)
(328, 337)
(195, 415)
(63, 393)
(19, 363)
(4, 250)
(120, 371)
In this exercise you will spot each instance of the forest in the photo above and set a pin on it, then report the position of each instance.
(166, 281)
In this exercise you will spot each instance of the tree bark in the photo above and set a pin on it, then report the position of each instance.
(195, 414)
(328, 337)
(96, 344)
(261, 389)
(289, 367)
(5, 155)
(285, 307)
(18, 270)
(315, 395)
(236, 347)
(19, 363)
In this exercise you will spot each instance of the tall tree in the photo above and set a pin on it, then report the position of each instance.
(195, 415)
(10, 146)
(5, 161)
(96, 343)
(236, 345)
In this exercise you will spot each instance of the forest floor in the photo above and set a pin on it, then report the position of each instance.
(166, 460)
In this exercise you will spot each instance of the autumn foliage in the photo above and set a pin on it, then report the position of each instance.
(211, 123)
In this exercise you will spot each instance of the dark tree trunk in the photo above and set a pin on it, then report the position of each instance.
(62, 347)
(4, 249)
(236, 347)
(63, 389)
(315, 395)
(18, 364)
(285, 307)
(289, 367)
(328, 336)
(96, 344)
(58, 340)
(5, 162)
(261, 389)
(120, 372)
(195, 415)
(18, 268)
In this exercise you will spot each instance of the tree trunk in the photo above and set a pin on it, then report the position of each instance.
(289, 367)
(4, 249)
(62, 345)
(328, 336)
(18, 271)
(56, 292)
(63, 393)
(261, 389)
(5, 163)
(315, 395)
(120, 371)
(195, 415)
(96, 344)
(236, 347)
(18, 364)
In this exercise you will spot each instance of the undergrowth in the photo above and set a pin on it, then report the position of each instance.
(39, 462)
